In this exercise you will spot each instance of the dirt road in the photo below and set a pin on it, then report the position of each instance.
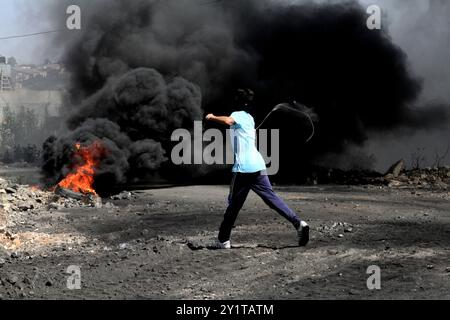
(154, 245)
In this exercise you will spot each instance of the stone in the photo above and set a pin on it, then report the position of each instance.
(13, 279)
(98, 203)
(3, 253)
(10, 190)
(125, 195)
(53, 206)
(123, 246)
(396, 168)
(109, 205)
(394, 183)
(354, 292)
(26, 206)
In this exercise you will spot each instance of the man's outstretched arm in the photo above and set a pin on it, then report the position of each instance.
(228, 121)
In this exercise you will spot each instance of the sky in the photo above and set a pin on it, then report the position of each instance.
(22, 17)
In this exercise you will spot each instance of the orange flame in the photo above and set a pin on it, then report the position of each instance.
(81, 180)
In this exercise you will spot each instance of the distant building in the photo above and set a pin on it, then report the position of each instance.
(37, 88)
(5, 75)
(42, 102)
(26, 72)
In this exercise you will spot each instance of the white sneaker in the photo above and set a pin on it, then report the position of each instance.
(303, 234)
(223, 245)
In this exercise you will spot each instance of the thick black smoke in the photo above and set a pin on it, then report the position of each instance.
(133, 116)
(322, 55)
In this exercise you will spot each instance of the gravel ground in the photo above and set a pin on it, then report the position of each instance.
(153, 244)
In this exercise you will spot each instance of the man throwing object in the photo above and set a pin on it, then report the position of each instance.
(249, 172)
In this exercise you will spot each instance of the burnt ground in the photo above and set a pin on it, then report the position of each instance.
(154, 246)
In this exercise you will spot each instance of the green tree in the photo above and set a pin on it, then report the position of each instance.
(19, 134)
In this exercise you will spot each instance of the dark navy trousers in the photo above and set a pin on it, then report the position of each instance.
(241, 185)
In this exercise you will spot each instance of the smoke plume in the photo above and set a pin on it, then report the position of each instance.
(143, 68)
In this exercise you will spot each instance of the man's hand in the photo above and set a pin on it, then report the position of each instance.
(210, 117)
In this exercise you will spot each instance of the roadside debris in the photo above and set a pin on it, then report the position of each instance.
(432, 178)
(395, 170)
(396, 177)
(19, 202)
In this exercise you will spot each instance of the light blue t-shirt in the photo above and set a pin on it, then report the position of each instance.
(247, 158)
